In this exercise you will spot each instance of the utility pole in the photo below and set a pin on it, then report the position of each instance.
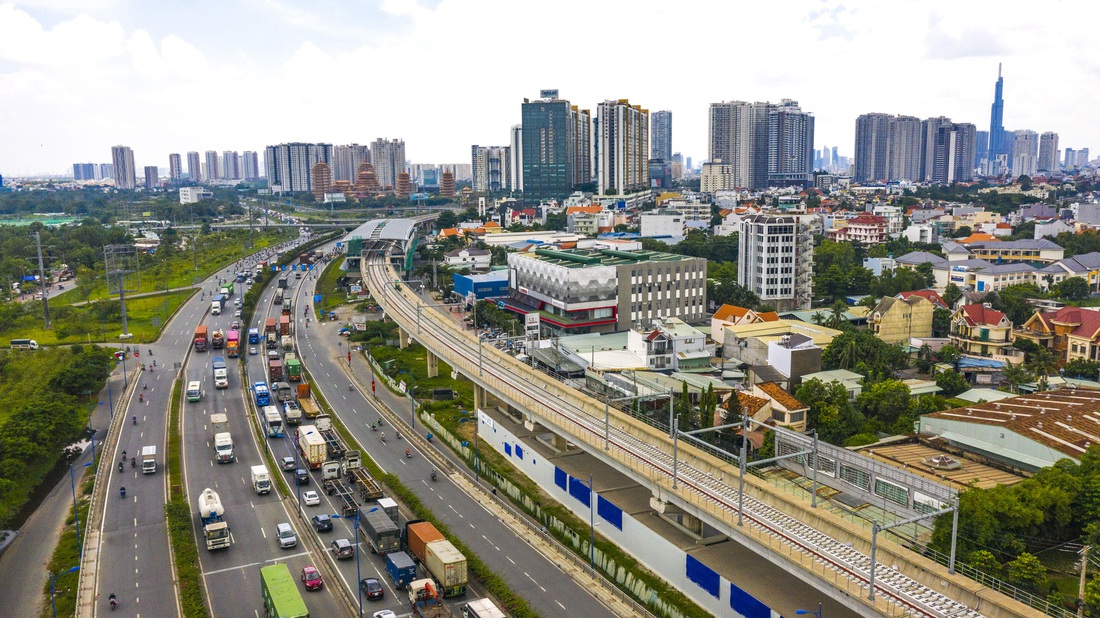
(1081, 584)
(42, 282)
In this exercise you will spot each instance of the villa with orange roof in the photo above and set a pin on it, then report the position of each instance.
(1069, 333)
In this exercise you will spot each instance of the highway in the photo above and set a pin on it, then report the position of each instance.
(581, 418)
(528, 573)
(252, 518)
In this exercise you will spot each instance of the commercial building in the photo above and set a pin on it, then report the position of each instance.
(1025, 153)
(175, 167)
(194, 167)
(388, 158)
(125, 173)
(194, 195)
(605, 290)
(1000, 251)
(895, 320)
(717, 176)
(515, 157)
(152, 177)
(997, 145)
(556, 148)
(775, 260)
(767, 144)
(661, 138)
(492, 168)
(622, 150)
(488, 285)
(666, 225)
(288, 166)
(1048, 152)
(85, 171)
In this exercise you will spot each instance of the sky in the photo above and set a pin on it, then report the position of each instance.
(79, 76)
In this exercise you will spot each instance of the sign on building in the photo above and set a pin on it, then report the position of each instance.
(532, 321)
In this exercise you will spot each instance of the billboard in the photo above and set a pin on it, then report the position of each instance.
(548, 94)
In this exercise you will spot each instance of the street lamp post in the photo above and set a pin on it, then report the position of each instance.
(76, 515)
(807, 611)
(53, 578)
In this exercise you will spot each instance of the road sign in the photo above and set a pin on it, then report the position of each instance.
(355, 289)
(500, 304)
(316, 298)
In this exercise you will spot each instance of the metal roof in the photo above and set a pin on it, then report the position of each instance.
(385, 229)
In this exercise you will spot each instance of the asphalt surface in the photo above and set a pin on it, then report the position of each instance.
(527, 572)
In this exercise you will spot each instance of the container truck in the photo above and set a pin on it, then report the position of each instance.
(227, 289)
(221, 372)
(401, 568)
(482, 608)
(293, 367)
(214, 528)
(223, 440)
(261, 480)
(425, 600)
(389, 507)
(283, 283)
(288, 297)
(447, 565)
(283, 392)
(217, 304)
(306, 258)
(275, 370)
(312, 446)
(309, 407)
(217, 340)
(269, 325)
(340, 492)
(284, 325)
(334, 443)
(253, 336)
(278, 300)
(233, 344)
(287, 342)
(263, 396)
(353, 470)
(148, 460)
(383, 535)
(200, 338)
(416, 535)
(272, 341)
(293, 413)
(280, 593)
(273, 422)
(24, 344)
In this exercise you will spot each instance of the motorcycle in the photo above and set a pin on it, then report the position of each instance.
(141, 397)
(113, 600)
(144, 386)
(121, 467)
(433, 475)
(133, 462)
(135, 419)
(408, 454)
(122, 491)
(373, 427)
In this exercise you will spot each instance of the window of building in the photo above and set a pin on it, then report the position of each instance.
(892, 492)
(855, 476)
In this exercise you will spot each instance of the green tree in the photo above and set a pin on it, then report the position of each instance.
(1081, 368)
(1074, 288)
(951, 293)
(886, 402)
(865, 353)
(962, 232)
(941, 322)
(984, 561)
(1026, 569)
(1041, 364)
(1016, 374)
(950, 354)
(819, 318)
(952, 383)
(836, 314)
(831, 413)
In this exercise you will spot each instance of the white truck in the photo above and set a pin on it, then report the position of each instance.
(148, 460)
(261, 480)
(214, 528)
(312, 446)
(221, 372)
(223, 441)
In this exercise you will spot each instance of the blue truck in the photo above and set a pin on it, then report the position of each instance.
(253, 335)
(263, 396)
(401, 568)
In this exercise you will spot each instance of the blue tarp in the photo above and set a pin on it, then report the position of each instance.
(561, 479)
(967, 362)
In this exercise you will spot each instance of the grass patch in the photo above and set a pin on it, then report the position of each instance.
(65, 556)
(99, 321)
(331, 295)
(178, 514)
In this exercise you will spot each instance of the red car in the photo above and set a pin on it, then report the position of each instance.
(311, 578)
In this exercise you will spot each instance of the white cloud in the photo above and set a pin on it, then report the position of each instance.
(81, 39)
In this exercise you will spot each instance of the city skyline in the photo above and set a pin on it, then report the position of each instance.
(154, 66)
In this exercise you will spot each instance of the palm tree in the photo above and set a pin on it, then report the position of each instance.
(1041, 364)
(1016, 374)
(819, 318)
(924, 352)
(839, 309)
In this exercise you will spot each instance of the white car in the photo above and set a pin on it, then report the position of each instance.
(311, 498)
(386, 613)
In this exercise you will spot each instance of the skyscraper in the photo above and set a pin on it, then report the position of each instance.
(661, 147)
(1025, 153)
(623, 135)
(125, 174)
(872, 147)
(1048, 152)
(152, 177)
(288, 166)
(231, 165)
(213, 170)
(730, 132)
(556, 147)
(767, 144)
(346, 160)
(84, 171)
(194, 172)
(929, 128)
(175, 167)
(997, 142)
(388, 158)
(953, 153)
(904, 158)
(516, 157)
(790, 145)
(981, 148)
(251, 165)
(492, 168)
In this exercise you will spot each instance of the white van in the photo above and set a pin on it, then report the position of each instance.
(194, 391)
(148, 460)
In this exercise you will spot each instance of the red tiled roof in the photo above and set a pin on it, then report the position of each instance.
(931, 295)
(781, 396)
(868, 220)
(977, 237)
(588, 209)
(725, 312)
(980, 314)
(1087, 320)
(768, 316)
(749, 403)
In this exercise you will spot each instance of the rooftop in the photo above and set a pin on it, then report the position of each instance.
(980, 314)
(784, 398)
(833, 375)
(931, 295)
(958, 472)
(584, 258)
(917, 258)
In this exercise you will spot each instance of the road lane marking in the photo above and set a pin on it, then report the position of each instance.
(559, 604)
(513, 562)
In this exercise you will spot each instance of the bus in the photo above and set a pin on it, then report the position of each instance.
(280, 593)
(253, 336)
(273, 422)
(194, 391)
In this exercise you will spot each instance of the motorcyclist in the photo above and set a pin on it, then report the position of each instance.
(113, 600)
(135, 419)
(141, 397)
(408, 453)
(121, 465)
(433, 474)
(383, 436)
(122, 491)
(373, 427)
(133, 462)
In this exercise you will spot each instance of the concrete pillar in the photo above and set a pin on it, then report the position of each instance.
(560, 443)
(479, 397)
(692, 523)
(402, 338)
(433, 365)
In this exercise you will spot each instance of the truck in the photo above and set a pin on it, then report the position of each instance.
(353, 470)
(383, 535)
(278, 300)
(401, 568)
(223, 441)
(312, 446)
(214, 528)
(283, 392)
(227, 289)
(269, 325)
(24, 344)
(272, 341)
(284, 325)
(263, 395)
(287, 342)
(293, 367)
(233, 344)
(342, 494)
(482, 608)
(240, 278)
(448, 566)
(288, 301)
(306, 258)
(148, 460)
(217, 304)
(292, 412)
(221, 372)
(415, 536)
(309, 407)
(261, 480)
(217, 340)
(425, 600)
(273, 422)
(253, 336)
(275, 370)
(280, 593)
(389, 507)
(283, 283)
(200, 338)
(334, 443)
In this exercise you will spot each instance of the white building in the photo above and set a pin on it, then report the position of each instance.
(663, 224)
(922, 232)
(193, 195)
(717, 176)
(775, 259)
(474, 259)
(895, 219)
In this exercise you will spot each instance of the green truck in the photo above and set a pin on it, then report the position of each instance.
(280, 592)
(227, 289)
(293, 367)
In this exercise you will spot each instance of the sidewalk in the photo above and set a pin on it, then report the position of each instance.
(25, 561)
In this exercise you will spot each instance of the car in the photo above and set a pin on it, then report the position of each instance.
(322, 522)
(298, 275)
(236, 325)
(252, 351)
(285, 534)
(311, 577)
(311, 498)
(371, 588)
(386, 613)
(303, 476)
(288, 464)
(237, 313)
(343, 548)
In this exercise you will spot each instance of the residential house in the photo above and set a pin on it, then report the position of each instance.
(1086, 266)
(785, 409)
(1069, 333)
(897, 320)
(850, 380)
(1025, 250)
(931, 295)
(468, 257)
(980, 332)
(671, 345)
(895, 219)
(867, 229)
(922, 232)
